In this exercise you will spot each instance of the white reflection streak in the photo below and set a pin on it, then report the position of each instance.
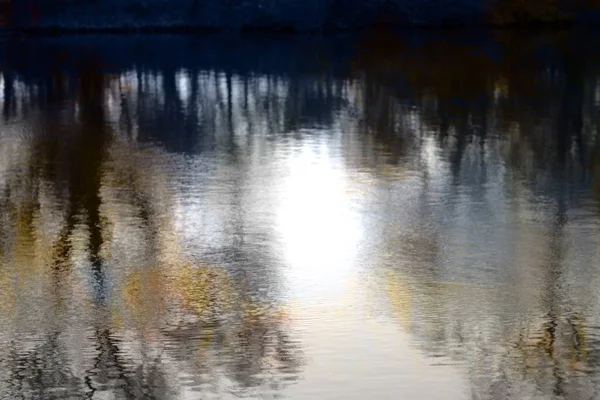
(184, 84)
(319, 230)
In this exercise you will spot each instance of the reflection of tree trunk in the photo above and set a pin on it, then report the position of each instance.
(141, 93)
(62, 254)
(457, 153)
(557, 251)
(42, 370)
(191, 128)
(230, 127)
(86, 167)
(570, 118)
(577, 85)
(247, 116)
(109, 366)
(8, 109)
(444, 129)
(483, 136)
(292, 108)
(173, 105)
(126, 116)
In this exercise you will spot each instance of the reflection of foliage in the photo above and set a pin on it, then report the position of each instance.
(453, 70)
(203, 289)
(143, 293)
(216, 322)
(250, 336)
(467, 89)
(552, 350)
(534, 349)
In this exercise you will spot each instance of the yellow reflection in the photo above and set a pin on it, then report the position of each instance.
(203, 286)
(143, 293)
(398, 292)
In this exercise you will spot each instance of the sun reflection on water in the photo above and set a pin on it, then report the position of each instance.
(317, 224)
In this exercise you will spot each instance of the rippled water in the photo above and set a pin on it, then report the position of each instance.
(373, 216)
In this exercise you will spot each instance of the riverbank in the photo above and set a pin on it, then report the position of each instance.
(291, 16)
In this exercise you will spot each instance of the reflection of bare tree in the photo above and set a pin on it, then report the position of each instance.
(477, 91)
(477, 130)
(87, 170)
(544, 144)
(42, 371)
(543, 347)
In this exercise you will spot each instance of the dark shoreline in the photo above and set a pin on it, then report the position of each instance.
(534, 28)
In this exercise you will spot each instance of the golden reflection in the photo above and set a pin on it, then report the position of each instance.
(143, 296)
(398, 292)
(202, 288)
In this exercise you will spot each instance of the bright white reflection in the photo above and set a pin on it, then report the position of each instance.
(183, 82)
(319, 229)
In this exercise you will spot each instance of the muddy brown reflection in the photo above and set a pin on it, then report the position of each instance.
(390, 215)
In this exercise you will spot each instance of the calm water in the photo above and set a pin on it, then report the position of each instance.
(378, 216)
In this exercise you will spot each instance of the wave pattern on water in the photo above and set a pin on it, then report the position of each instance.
(378, 215)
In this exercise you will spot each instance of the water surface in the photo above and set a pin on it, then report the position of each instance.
(408, 215)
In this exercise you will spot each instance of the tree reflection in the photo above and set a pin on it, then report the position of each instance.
(86, 171)
(469, 87)
(528, 113)
(91, 200)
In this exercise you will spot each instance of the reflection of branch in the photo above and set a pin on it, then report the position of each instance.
(107, 361)
(36, 372)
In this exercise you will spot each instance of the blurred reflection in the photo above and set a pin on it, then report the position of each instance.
(488, 271)
(192, 216)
